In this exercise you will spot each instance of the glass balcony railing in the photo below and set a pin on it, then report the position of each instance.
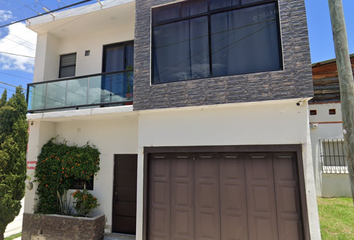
(106, 89)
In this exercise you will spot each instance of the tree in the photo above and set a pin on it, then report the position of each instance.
(345, 76)
(3, 98)
(13, 144)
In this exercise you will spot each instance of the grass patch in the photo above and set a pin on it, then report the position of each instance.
(13, 236)
(336, 218)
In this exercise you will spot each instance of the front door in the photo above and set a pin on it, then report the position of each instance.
(124, 193)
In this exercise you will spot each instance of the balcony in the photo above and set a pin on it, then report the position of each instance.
(97, 90)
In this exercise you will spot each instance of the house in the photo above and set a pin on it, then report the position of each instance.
(214, 140)
(328, 152)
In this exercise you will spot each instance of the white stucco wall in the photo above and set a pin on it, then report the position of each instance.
(280, 122)
(325, 126)
(113, 136)
(335, 185)
(39, 134)
(51, 45)
(277, 122)
(47, 60)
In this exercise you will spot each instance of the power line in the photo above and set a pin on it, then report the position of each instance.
(22, 7)
(67, 6)
(21, 39)
(12, 75)
(55, 10)
(8, 84)
(8, 89)
(19, 44)
(28, 7)
(14, 54)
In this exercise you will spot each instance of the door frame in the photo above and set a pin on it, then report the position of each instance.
(112, 203)
(294, 148)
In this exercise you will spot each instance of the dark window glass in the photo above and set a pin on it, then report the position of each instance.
(194, 8)
(244, 2)
(67, 65)
(114, 58)
(82, 183)
(215, 38)
(216, 4)
(181, 50)
(245, 41)
(167, 13)
(117, 57)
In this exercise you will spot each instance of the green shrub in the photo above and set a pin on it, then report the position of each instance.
(58, 166)
(84, 202)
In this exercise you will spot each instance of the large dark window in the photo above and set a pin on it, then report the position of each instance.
(67, 65)
(118, 57)
(209, 38)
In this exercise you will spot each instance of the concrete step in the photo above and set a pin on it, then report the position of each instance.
(118, 236)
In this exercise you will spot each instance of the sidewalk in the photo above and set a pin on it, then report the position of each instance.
(16, 226)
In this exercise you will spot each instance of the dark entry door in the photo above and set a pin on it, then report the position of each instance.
(124, 193)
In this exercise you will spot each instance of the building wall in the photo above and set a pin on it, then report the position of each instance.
(50, 48)
(292, 82)
(118, 135)
(275, 122)
(325, 126)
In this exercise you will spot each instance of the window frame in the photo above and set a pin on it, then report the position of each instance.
(208, 15)
(61, 61)
(123, 44)
(82, 182)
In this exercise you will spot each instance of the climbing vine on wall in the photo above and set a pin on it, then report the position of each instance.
(58, 166)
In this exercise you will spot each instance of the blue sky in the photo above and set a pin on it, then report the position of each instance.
(17, 39)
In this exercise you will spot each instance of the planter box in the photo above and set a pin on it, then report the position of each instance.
(58, 227)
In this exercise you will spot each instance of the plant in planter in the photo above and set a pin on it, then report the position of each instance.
(84, 202)
(58, 167)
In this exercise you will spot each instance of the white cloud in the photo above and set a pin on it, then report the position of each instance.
(5, 15)
(21, 41)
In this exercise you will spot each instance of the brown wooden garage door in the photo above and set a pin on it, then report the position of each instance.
(245, 196)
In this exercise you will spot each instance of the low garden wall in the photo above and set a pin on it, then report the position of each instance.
(59, 227)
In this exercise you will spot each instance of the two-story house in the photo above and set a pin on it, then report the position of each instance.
(199, 109)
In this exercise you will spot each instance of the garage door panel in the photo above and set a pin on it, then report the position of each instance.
(207, 219)
(182, 197)
(290, 230)
(159, 199)
(238, 196)
(264, 229)
(287, 196)
(232, 197)
(289, 193)
(260, 197)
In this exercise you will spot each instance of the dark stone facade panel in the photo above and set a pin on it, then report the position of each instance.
(294, 81)
(58, 227)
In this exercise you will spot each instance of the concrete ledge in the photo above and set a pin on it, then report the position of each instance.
(335, 185)
(58, 227)
(80, 113)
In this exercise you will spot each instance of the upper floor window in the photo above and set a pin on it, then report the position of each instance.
(211, 38)
(67, 65)
(118, 57)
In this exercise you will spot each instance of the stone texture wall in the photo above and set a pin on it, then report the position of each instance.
(294, 81)
(58, 227)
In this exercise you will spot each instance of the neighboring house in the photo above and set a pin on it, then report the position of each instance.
(328, 152)
(214, 142)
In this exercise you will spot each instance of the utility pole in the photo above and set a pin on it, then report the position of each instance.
(345, 76)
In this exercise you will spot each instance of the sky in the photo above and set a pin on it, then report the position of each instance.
(17, 39)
